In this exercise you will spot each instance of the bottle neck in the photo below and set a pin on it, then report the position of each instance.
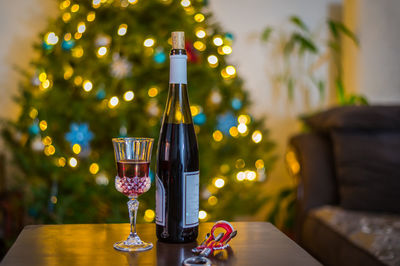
(178, 72)
(177, 110)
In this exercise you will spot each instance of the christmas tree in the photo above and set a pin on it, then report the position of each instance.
(102, 72)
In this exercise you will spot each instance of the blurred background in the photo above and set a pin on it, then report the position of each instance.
(255, 68)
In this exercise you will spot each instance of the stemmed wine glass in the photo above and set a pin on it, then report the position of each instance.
(132, 156)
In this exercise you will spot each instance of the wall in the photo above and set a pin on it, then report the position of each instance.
(374, 68)
(20, 23)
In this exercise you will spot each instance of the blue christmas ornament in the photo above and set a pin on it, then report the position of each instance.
(101, 94)
(160, 57)
(236, 104)
(151, 174)
(67, 45)
(34, 129)
(229, 36)
(226, 121)
(46, 46)
(79, 134)
(200, 119)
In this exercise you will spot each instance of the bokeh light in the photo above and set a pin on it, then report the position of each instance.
(128, 96)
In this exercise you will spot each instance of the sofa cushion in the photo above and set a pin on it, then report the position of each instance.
(355, 117)
(368, 169)
(341, 237)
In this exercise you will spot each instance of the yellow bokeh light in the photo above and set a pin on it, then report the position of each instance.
(51, 38)
(199, 45)
(66, 16)
(42, 77)
(292, 162)
(240, 176)
(68, 72)
(213, 200)
(132, 1)
(77, 51)
(96, 3)
(153, 92)
(185, 3)
(94, 168)
(257, 136)
(230, 70)
(250, 175)
(43, 125)
(178, 115)
(78, 80)
(200, 33)
(227, 49)
(217, 40)
(217, 135)
(87, 85)
(46, 140)
(33, 113)
(74, 8)
(202, 215)
(242, 128)
(53, 199)
(49, 150)
(101, 51)
(61, 162)
(122, 29)
(113, 102)
(195, 110)
(224, 168)
(149, 42)
(212, 60)
(148, 51)
(244, 119)
(81, 27)
(240, 163)
(219, 182)
(224, 74)
(128, 96)
(91, 16)
(65, 4)
(67, 36)
(45, 84)
(76, 148)
(149, 215)
(234, 131)
(72, 162)
(189, 10)
(199, 17)
(259, 164)
(77, 35)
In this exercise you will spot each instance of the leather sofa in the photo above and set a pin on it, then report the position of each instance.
(348, 197)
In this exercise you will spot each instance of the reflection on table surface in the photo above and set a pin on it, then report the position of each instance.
(92, 244)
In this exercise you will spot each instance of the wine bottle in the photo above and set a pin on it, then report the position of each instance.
(177, 174)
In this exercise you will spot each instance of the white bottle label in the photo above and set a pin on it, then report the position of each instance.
(191, 199)
(177, 70)
(160, 202)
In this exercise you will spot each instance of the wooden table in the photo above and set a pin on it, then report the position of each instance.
(257, 243)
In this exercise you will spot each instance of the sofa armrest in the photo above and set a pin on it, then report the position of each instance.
(316, 177)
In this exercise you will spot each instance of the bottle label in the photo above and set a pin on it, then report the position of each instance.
(177, 70)
(191, 199)
(160, 202)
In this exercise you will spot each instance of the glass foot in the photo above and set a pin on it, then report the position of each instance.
(124, 246)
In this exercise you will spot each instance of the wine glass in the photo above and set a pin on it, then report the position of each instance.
(132, 156)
